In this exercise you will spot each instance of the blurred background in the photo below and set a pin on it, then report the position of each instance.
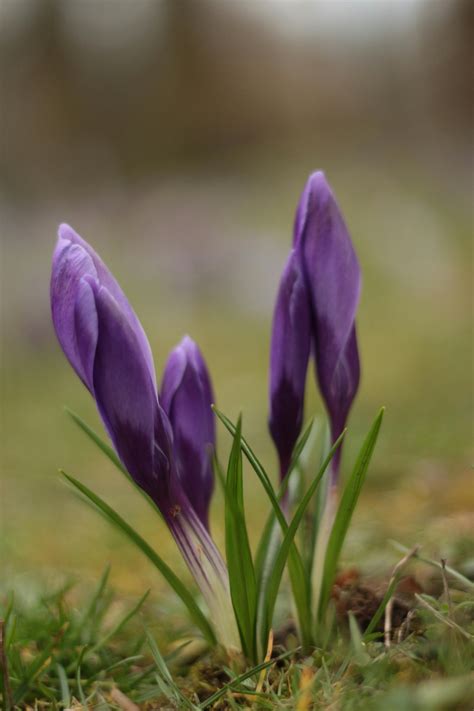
(176, 136)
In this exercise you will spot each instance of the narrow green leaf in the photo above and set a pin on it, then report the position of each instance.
(298, 578)
(295, 456)
(242, 581)
(281, 558)
(261, 558)
(171, 689)
(360, 654)
(64, 685)
(381, 608)
(80, 690)
(218, 471)
(107, 449)
(32, 671)
(92, 606)
(121, 624)
(110, 454)
(180, 589)
(345, 510)
(160, 663)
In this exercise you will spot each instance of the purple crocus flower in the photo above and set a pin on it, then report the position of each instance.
(186, 396)
(107, 347)
(289, 353)
(331, 276)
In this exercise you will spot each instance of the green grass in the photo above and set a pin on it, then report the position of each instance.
(65, 647)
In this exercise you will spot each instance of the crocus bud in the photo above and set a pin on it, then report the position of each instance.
(186, 396)
(106, 345)
(74, 259)
(333, 281)
(289, 353)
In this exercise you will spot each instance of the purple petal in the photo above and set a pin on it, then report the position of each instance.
(289, 354)
(333, 277)
(71, 264)
(68, 235)
(186, 396)
(86, 327)
(126, 398)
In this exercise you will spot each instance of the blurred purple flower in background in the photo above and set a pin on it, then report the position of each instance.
(326, 276)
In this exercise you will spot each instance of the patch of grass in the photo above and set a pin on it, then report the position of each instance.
(65, 650)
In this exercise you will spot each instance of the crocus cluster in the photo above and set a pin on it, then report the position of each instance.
(315, 314)
(164, 440)
(165, 436)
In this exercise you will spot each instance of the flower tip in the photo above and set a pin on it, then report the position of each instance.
(319, 184)
(318, 175)
(65, 231)
(187, 343)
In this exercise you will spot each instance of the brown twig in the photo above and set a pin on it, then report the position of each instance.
(405, 626)
(122, 701)
(389, 608)
(268, 656)
(4, 665)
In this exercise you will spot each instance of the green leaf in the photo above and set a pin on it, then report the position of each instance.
(169, 687)
(97, 595)
(80, 690)
(180, 589)
(360, 655)
(345, 510)
(298, 577)
(381, 608)
(110, 454)
(107, 449)
(121, 624)
(261, 557)
(242, 582)
(281, 558)
(64, 685)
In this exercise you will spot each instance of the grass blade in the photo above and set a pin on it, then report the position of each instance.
(109, 453)
(64, 685)
(344, 513)
(180, 589)
(121, 624)
(242, 581)
(90, 610)
(171, 690)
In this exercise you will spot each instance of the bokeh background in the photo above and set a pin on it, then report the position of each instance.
(176, 136)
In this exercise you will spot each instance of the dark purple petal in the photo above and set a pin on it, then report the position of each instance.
(333, 277)
(186, 396)
(126, 398)
(68, 235)
(289, 353)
